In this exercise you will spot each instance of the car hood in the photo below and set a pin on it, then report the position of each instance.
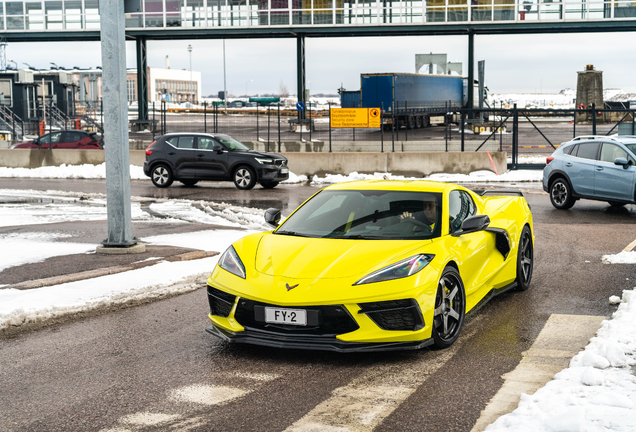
(255, 153)
(319, 258)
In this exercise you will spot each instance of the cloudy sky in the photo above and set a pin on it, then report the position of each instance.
(514, 63)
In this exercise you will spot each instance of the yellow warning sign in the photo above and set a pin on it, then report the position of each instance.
(355, 117)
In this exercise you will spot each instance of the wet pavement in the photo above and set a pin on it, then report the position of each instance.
(149, 367)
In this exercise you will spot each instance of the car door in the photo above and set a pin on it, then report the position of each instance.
(582, 167)
(44, 141)
(211, 165)
(182, 154)
(70, 140)
(476, 250)
(614, 181)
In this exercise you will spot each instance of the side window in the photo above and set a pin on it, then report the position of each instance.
(174, 141)
(609, 152)
(205, 143)
(72, 136)
(56, 137)
(460, 206)
(568, 149)
(186, 142)
(45, 139)
(588, 150)
(575, 149)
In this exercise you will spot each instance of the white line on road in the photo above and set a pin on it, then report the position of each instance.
(366, 401)
(630, 246)
(562, 337)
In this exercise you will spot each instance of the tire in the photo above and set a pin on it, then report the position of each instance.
(161, 176)
(426, 121)
(450, 308)
(189, 183)
(616, 204)
(525, 260)
(269, 185)
(410, 122)
(561, 194)
(244, 177)
(418, 122)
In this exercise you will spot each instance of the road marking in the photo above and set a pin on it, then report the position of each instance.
(366, 401)
(207, 394)
(630, 246)
(148, 418)
(562, 337)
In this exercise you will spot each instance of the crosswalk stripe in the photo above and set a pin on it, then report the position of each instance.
(207, 394)
(366, 401)
(561, 338)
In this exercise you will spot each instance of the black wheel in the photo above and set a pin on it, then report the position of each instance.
(161, 176)
(418, 122)
(244, 177)
(616, 204)
(426, 121)
(189, 183)
(561, 194)
(450, 308)
(525, 260)
(269, 185)
(410, 122)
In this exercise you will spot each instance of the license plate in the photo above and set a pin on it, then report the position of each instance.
(284, 170)
(286, 316)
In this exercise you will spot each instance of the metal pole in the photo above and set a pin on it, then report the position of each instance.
(463, 127)
(501, 128)
(300, 125)
(446, 122)
(257, 134)
(279, 127)
(406, 117)
(329, 127)
(471, 71)
(224, 81)
(393, 127)
(381, 128)
(574, 129)
(113, 44)
(310, 124)
(515, 137)
(153, 121)
(593, 118)
(268, 127)
(633, 132)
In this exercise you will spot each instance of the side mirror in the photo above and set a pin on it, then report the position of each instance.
(217, 148)
(473, 224)
(621, 161)
(272, 216)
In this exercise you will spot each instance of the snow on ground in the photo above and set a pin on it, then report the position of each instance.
(35, 247)
(620, 258)
(20, 307)
(293, 178)
(86, 171)
(474, 177)
(596, 393)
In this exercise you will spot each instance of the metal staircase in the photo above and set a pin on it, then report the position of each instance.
(11, 122)
(57, 117)
(91, 113)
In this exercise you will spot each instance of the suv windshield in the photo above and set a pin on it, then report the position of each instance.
(383, 215)
(230, 143)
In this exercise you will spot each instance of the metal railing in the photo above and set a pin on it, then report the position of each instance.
(12, 122)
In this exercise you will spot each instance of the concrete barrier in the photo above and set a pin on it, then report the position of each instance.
(413, 164)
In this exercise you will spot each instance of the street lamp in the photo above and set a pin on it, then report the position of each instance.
(14, 62)
(27, 65)
(56, 66)
(191, 86)
(246, 94)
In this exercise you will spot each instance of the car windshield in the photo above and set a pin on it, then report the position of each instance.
(230, 143)
(367, 215)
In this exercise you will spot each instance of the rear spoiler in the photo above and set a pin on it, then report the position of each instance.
(503, 192)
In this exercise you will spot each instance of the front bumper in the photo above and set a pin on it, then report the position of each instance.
(320, 343)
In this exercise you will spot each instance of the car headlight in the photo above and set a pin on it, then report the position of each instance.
(264, 161)
(231, 262)
(400, 269)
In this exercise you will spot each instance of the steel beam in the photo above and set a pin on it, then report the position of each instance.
(300, 71)
(142, 80)
(115, 109)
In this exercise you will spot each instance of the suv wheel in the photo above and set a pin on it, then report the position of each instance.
(161, 176)
(561, 194)
(269, 185)
(616, 204)
(189, 183)
(244, 178)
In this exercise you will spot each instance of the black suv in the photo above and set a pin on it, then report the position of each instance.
(190, 157)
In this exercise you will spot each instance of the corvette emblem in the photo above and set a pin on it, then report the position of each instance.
(289, 288)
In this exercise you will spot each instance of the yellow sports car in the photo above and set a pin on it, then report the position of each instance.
(373, 265)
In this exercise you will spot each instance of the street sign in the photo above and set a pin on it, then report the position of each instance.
(355, 117)
(300, 106)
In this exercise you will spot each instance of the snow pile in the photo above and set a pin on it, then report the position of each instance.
(47, 304)
(26, 248)
(86, 171)
(474, 177)
(596, 393)
(293, 178)
(620, 258)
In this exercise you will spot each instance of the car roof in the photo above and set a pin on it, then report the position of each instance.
(174, 134)
(622, 139)
(399, 185)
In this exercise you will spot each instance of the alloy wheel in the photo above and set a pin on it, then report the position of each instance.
(449, 307)
(559, 193)
(243, 177)
(526, 257)
(160, 175)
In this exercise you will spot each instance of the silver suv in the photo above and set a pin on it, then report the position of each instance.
(600, 168)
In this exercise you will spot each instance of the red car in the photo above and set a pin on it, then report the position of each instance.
(66, 139)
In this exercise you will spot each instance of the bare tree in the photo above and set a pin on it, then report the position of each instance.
(282, 88)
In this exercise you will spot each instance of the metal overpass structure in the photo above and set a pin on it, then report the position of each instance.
(78, 20)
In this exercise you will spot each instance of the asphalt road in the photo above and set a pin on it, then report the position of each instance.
(153, 367)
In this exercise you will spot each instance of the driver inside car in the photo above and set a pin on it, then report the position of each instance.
(424, 219)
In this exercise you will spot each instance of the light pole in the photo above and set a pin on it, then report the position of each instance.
(191, 86)
(14, 62)
(224, 82)
(246, 83)
(56, 66)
